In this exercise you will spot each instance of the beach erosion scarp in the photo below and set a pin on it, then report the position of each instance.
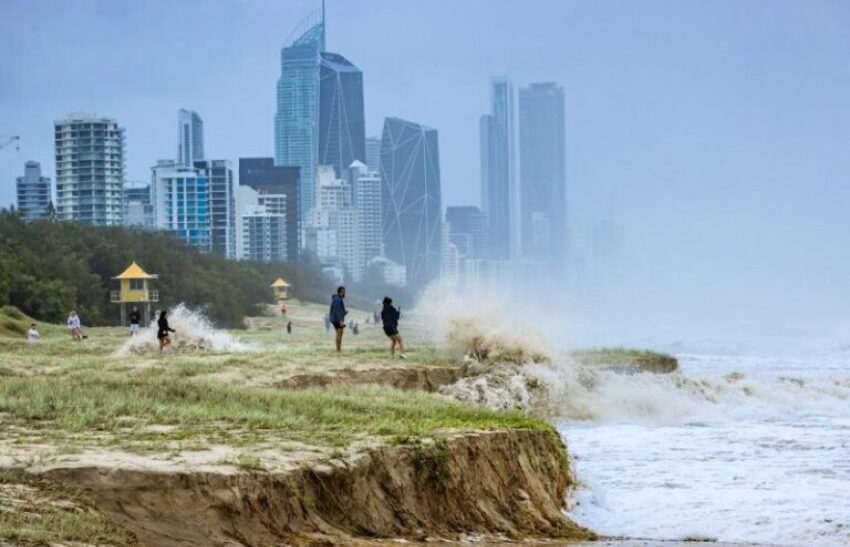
(266, 443)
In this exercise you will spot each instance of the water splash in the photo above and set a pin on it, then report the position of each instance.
(194, 332)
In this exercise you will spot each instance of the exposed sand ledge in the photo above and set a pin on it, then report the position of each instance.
(507, 483)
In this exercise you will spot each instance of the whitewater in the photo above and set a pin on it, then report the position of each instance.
(734, 447)
(729, 448)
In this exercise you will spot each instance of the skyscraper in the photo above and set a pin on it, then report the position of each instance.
(33, 193)
(89, 169)
(366, 191)
(181, 203)
(261, 225)
(467, 230)
(498, 193)
(297, 118)
(342, 130)
(319, 118)
(222, 205)
(272, 181)
(543, 173)
(190, 129)
(410, 181)
(373, 153)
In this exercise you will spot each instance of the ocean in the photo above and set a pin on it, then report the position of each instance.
(732, 448)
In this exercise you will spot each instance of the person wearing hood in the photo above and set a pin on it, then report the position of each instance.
(163, 330)
(390, 316)
(337, 316)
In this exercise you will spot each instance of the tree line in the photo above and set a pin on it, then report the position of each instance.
(48, 268)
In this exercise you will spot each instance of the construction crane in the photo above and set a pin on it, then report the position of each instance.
(6, 140)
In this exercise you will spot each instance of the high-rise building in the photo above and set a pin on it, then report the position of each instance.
(181, 202)
(33, 193)
(410, 182)
(332, 230)
(342, 130)
(498, 188)
(89, 169)
(222, 206)
(366, 193)
(319, 118)
(261, 226)
(297, 117)
(190, 128)
(272, 181)
(373, 153)
(543, 173)
(467, 230)
(138, 209)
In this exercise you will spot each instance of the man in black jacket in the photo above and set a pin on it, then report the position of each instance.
(390, 317)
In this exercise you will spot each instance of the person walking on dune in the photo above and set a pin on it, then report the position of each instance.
(135, 319)
(337, 316)
(75, 326)
(162, 330)
(390, 316)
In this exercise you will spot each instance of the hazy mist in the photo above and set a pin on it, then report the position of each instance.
(708, 143)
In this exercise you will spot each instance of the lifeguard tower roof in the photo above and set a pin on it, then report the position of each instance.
(134, 271)
(280, 283)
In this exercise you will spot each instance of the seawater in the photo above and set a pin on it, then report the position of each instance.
(730, 448)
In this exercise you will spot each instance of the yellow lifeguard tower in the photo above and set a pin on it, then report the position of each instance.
(281, 289)
(135, 288)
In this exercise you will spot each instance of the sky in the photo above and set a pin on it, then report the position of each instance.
(708, 142)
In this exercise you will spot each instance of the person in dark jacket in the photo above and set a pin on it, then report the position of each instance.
(135, 320)
(162, 330)
(390, 317)
(337, 315)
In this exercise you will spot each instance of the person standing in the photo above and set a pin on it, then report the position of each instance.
(162, 330)
(337, 316)
(75, 326)
(289, 327)
(135, 320)
(390, 316)
(32, 334)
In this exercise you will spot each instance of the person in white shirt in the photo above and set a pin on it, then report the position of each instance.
(32, 334)
(75, 326)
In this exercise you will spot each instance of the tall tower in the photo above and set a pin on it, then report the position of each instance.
(33, 193)
(319, 118)
(89, 169)
(190, 143)
(543, 173)
(498, 189)
(342, 129)
(297, 118)
(410, 182)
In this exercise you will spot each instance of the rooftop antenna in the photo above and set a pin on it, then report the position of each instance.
(324, 29)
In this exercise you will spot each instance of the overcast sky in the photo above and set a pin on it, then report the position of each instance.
(713, 134)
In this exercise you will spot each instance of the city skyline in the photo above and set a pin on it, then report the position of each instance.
(717, 132)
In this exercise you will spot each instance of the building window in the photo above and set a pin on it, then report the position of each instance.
(136, 285)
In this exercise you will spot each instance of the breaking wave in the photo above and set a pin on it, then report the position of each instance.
(193, 332)
(509, 365)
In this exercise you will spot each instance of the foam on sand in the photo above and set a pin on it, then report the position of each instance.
(193, 332)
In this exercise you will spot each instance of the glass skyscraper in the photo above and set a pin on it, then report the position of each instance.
(342, 130)
(181, 203)
(543, 173)
(412, 207)
(190, 129)
(269, 179)
(498, 195)
(222, 205)
(319, 118)
(297, 118)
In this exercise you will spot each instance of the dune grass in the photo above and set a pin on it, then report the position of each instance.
(625, 358)
(36, 511)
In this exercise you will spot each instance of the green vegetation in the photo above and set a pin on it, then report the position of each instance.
(36, 511)
(47, 269)
(627, 359)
